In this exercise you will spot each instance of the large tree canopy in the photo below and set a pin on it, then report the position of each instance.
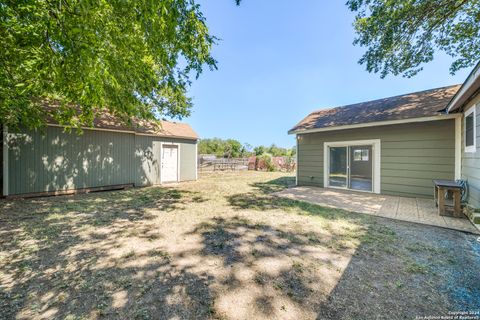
(402, 35)
(135, 57)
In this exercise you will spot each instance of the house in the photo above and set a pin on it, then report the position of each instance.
(466, 103)
(109, 155)
(396, 145)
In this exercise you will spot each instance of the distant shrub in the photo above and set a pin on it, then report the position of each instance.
(284, 164)
(264, 162)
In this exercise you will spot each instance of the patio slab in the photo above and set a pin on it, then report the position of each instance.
(416, 210)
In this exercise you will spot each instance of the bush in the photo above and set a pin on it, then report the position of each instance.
(264, 162)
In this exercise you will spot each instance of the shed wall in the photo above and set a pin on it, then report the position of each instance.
(54, 160)
(147, 159)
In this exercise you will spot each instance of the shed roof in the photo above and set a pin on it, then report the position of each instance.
(408, 106)
(107, 121)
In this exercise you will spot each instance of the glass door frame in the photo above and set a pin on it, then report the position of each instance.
(376, 146)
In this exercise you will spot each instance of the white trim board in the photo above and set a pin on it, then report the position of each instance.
(473, 148)
(376, 149)
(458, 148)
(161, 160)
(5, 161)
(378, 123)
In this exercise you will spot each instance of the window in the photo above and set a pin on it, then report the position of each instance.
(470, 130)
(360, 155)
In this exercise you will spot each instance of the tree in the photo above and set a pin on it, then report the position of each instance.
(233, 149)
(292, 152)
(229, 148)
(274, 150)
(134, 57)
(402, 35)
(259, 150)
(279, 152)
(211, 146)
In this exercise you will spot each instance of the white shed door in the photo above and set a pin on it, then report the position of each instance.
(169, 169)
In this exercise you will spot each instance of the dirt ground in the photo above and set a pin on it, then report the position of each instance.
(224, 248)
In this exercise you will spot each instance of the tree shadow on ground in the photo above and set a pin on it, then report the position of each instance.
(62, 256)
(393, 261)
(107, 255)
(275, 185)
(230, 238)
(426, 271)
(280, 263)
(392, 270)
(127, 203)
(121, 289)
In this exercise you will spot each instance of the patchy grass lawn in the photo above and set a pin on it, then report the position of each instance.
(224, 247)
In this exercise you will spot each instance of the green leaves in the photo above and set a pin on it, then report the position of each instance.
(402, 35)
(229, 148)
(134, 57)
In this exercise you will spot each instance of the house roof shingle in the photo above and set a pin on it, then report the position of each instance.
(167, 129)
(107, 121)
(413, 105)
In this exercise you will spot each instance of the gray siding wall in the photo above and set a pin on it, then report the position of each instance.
(188, 152)
(147, 159)
(55, 160)
(411, 155)
(471, 161)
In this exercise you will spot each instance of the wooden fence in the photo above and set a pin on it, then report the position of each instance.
(222, 164)
(206, 164)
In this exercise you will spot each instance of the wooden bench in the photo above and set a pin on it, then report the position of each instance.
(440, 188)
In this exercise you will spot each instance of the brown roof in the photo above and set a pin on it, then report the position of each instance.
(162, 128)
(413, 105)
(167, 129)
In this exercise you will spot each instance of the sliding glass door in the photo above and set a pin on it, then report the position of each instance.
(361, 168)
(338, 176)
(351, 167)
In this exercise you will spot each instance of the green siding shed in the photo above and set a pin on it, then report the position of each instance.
(55, 161)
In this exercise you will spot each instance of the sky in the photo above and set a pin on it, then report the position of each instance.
(279, 60)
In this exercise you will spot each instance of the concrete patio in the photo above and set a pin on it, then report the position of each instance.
(401, 208)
